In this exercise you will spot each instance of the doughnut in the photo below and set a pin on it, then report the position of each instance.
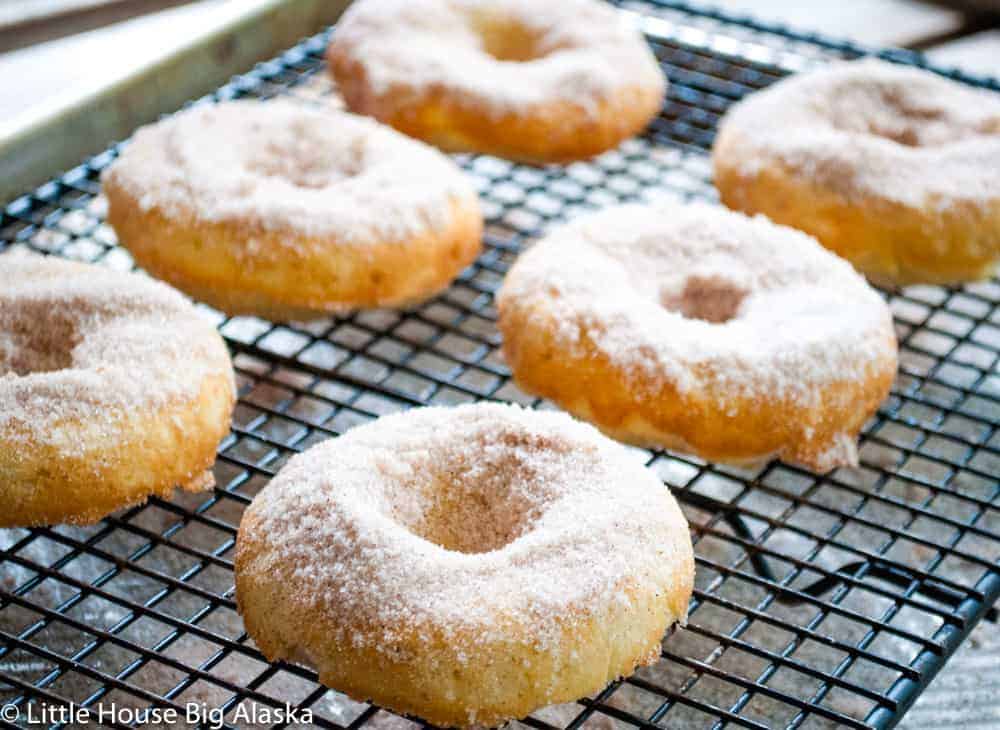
(287, 211)
(529, 81)
(701, 330)
(466, 565)
(112, 389)
(895, 169)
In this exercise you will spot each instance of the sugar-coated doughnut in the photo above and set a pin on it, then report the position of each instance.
(698, 329)
(288, 211)
(466, 565)
(896, 169)
(526, 80)
(112, 389)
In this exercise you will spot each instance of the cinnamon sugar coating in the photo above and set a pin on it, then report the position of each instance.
(467, 564)
(695, 328)
(895, 169)
(112, 388)
(542, 82)
(287, 211)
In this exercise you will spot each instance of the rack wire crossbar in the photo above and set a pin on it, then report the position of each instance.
(821, 601)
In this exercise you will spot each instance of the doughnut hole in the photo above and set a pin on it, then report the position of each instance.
(304, 161)
(507, 40)
(37, 343)
(895, 114)
(708, 298)
(473, 508)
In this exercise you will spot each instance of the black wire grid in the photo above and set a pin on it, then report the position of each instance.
(820, 600)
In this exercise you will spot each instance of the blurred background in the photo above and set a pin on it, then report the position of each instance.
(79, 74)
(51, 47)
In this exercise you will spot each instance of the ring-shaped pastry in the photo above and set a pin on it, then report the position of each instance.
(112, 389)
(893, 168)
(698, 329)
(466, 565)
(531, 81)
(289, 212)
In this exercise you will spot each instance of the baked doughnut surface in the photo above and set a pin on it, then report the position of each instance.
(530, 81)
(467, 565)
(698, 329)
(895, 169)
(112, 389)
(288, 211)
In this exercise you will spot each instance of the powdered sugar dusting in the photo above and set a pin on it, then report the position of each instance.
(279, 165)
(703, 297)
(876, 129)
(583, 51)
(444, 520)
(83, 345)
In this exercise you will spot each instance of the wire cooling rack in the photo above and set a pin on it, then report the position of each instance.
(820, 601)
